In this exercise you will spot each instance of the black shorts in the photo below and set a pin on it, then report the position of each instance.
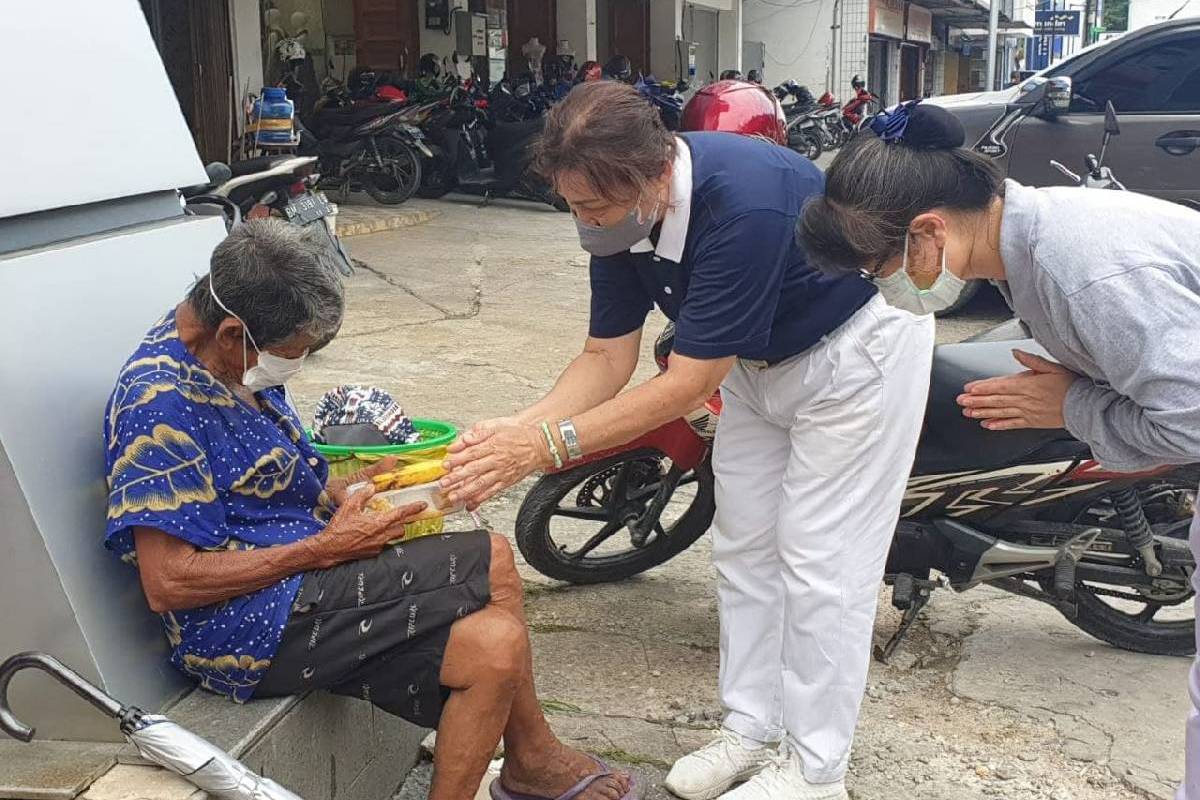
(377, 629)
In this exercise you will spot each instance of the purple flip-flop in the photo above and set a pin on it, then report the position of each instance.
(498, 792)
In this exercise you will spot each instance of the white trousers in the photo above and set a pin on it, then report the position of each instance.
(1190, 788)
(811, 459)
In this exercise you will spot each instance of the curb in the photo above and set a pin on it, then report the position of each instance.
(352, 222)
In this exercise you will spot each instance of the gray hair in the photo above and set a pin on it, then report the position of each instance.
(279, 278)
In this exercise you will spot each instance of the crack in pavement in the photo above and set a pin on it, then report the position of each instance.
(474, 306)
(524, 381)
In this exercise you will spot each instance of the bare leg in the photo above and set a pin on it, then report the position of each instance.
(489, 668)
(483, 667)
(535, 761)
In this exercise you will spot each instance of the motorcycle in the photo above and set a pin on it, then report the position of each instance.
(270, 186)
(1028, 511)
(370, 146)
(474, 153)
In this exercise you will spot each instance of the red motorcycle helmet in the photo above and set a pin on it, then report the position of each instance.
(736, 107)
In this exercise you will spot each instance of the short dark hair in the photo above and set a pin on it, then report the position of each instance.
(610, 134)
(279, 278)
(873, 191)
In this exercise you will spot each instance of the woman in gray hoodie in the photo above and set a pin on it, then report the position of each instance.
(1108, 283)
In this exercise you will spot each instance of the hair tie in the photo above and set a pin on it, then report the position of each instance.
(919, 126)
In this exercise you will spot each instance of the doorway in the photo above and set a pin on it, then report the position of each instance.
(878, 69)
(195, 43)
(910, 72)
(629, 32)
(387, 35)
(527, 19)
(700, 27)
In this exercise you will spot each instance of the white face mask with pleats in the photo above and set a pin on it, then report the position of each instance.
(271, 370)
(899, 290)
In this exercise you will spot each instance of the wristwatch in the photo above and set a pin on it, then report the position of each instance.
(570, 439)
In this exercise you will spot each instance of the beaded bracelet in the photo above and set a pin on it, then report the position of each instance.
(558, 462)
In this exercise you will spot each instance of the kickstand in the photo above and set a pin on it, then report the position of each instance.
(882, 654)
(487, 200)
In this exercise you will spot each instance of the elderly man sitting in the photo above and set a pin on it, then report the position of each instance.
(271, 580)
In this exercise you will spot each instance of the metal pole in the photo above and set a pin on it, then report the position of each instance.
(993, 29)
(835, 76)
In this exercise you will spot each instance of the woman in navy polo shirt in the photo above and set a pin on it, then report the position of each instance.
(823, 384)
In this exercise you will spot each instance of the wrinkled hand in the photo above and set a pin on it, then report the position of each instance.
(355, 533)
(1030, 399)
(338, 488)
(492, 456)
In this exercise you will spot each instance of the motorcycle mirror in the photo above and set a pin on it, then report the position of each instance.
(1111, 126)
(1057, 96)
(217, 173)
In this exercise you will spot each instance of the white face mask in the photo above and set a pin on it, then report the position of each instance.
(899, 290)
(271, 370)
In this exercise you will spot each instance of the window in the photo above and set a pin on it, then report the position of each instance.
(1163, 77)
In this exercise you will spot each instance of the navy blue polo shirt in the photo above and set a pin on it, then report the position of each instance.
(727, 268)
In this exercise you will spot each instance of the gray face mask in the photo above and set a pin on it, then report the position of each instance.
(600, 240)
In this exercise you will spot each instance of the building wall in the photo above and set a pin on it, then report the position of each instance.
(796, 40)
(666, 18)
(577, 25)
(245, 21)
(853, 45)
(339, 23)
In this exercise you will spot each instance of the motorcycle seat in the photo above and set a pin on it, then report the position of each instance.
(951, 442)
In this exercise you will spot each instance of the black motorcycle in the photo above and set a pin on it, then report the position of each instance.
(371, 146)
(1026, 511)
(474, 153)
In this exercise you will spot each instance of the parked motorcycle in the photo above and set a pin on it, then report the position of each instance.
(473, 153)
(271, 186)
(1026, 511)
(370, 146)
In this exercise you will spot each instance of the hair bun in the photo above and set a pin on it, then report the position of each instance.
(920, 126)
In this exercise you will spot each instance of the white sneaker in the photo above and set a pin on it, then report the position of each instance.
(709, 772)
(784, 778)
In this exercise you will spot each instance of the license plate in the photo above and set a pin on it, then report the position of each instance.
(307, 208)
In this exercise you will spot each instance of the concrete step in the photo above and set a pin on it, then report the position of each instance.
(356, 218)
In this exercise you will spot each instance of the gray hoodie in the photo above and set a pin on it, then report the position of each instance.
(1109, 284)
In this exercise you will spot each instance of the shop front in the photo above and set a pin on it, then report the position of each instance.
(885, 28)
(915, 53)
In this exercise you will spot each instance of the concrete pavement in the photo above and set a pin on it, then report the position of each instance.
(473, 313)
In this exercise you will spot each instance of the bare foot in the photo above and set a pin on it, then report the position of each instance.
(557, 771)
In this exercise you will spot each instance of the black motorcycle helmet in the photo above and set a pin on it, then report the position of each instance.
(429, 66)
(858, 83)
(731, 75)
(618, 68)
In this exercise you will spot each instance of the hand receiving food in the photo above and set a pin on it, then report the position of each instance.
(338, 487)
(356, 533)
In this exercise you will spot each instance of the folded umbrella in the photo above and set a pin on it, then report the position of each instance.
(156, 737)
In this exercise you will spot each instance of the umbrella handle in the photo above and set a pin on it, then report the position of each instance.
(61, 673)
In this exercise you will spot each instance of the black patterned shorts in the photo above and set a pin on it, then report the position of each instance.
(377, 629)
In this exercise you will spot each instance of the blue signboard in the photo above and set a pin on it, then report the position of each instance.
(1056, 23)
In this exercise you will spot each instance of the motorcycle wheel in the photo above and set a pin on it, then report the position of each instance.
(1157, 625)
(805, 145)
(572, 524)
(400, 177)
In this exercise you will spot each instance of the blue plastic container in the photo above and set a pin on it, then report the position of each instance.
(273, 114)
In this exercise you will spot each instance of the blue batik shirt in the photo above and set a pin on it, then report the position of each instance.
(187, 457)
